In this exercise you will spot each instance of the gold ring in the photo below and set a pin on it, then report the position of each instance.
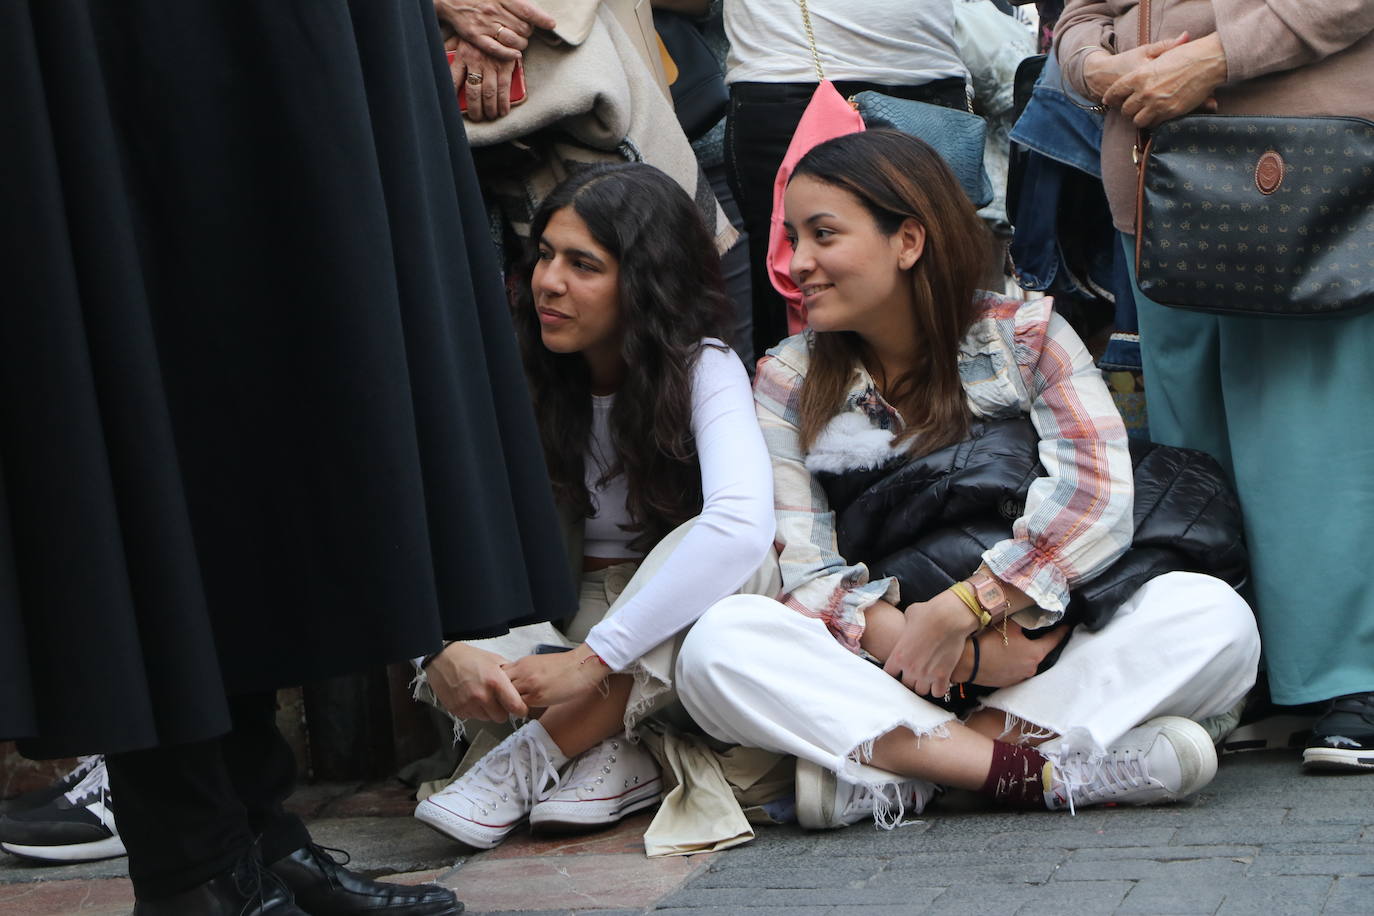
(497, 36)
(474, 79)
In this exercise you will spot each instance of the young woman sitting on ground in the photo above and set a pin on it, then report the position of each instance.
(652, 444)
(886, 252)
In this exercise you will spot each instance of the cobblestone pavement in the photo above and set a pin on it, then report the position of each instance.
(1263, 838)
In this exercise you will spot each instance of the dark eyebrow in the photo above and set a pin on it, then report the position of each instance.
(573, 252)
(584, 255)
(810, 219)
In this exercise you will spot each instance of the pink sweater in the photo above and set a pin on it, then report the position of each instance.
(1286, 57)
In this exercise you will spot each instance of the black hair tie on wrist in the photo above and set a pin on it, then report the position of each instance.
(973, 675)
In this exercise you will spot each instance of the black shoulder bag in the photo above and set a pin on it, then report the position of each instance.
(1257, 216)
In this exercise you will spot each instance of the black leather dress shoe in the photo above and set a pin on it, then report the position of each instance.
(247, 889)
(323, 887)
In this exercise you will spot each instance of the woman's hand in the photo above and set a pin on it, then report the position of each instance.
(470, 684)
(1102, 68)
(498, 28)
(931, 643)
(1003, 665)
(489, 97)
(1175, 83)
(545, 680)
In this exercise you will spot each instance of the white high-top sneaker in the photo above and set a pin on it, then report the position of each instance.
(824, 801)
(481, 807)
(604, 784)
(1164, 760)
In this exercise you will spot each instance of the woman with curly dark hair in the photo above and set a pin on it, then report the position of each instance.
(649, 432)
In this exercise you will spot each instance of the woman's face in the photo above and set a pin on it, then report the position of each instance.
(576, 287)
(852, 276)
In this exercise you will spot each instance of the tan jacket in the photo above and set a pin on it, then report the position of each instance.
(1286, 57)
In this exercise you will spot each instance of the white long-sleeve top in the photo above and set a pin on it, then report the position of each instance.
(727, 541)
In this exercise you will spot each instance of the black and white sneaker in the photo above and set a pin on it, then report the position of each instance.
(76, 826)
(1343, 737)
(40, 798)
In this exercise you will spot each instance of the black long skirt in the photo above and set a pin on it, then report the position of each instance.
(262, 418)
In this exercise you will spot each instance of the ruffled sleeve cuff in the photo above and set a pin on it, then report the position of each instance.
(1034, 572)
(843, 613)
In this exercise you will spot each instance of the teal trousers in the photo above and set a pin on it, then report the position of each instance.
(1284, 404)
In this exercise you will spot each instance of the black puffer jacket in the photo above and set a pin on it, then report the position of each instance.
(928, 520)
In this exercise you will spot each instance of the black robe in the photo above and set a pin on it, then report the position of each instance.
(262, 418)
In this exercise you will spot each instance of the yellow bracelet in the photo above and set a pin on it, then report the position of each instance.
(970, 599)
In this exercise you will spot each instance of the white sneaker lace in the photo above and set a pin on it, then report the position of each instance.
(887, 802)
(83, 766)
(1092, 781)
(92, 785)
(596, 761)
(1122, 770)
(503, 770)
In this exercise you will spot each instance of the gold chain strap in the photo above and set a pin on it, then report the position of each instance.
(811, 40)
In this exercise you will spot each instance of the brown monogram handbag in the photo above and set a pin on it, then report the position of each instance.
(1259, 216)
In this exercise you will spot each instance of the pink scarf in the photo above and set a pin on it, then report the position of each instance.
(827, 116)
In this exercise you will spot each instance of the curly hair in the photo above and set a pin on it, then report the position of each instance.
(671, 299)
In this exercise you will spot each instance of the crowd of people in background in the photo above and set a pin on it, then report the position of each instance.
(457, 332)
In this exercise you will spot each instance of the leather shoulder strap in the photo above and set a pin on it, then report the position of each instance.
(1141, 151)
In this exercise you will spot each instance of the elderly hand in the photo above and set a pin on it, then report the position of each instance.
(931, 643)
(1175, 83)
(546, 680)
(1101, 68)
(470, 684)
(1003, 665)
(488, 95)
(500, 29)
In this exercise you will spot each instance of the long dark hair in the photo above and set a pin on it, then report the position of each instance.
(898, 177)
(671, 297)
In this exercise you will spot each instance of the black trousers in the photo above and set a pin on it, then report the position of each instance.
(734, 269)
(758, 129)
(187, 812)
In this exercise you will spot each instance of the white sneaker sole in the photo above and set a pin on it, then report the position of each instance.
(1192, 743)
(1335, 758)
(455, 826)
(111, 848)
(556, 816)
(815, 794)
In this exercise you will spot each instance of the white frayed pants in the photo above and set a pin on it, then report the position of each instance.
(756, 673)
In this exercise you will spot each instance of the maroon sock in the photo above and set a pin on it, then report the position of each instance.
(1015, 777)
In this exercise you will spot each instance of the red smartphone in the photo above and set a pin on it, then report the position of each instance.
(517, 85)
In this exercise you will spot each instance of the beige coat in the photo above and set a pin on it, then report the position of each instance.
(1284, 57)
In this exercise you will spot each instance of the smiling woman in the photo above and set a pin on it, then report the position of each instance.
(903, 273)
(903, 357)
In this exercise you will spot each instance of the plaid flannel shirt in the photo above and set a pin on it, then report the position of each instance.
(1017, 359)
